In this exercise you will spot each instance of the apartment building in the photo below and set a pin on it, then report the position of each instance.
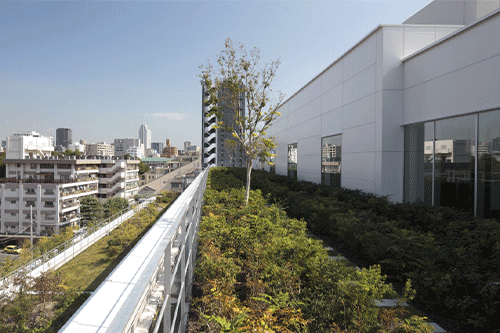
(99, 149)
(51, 187)
(405, 108)
(118, 178)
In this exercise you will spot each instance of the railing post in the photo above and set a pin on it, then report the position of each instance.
(167, 280)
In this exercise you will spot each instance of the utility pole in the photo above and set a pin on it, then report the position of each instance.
(31, 230)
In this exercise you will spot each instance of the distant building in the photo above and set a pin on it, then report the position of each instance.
(122, 146)
(145, 136)
(192, 148)
(77, 146)
(99, 149)
(63, 137)
(169, 151)
(158, 146)
(24, 145)
(187, 144)
(137, 152)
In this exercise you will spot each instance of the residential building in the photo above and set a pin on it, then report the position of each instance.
(99, 149)
(219, 147)
(63, 137)
(122, 146)
(137, 152)
(23, 145)
(406, 104)
(118, 178)
(145, 136)
(52, 187)
(192, 148)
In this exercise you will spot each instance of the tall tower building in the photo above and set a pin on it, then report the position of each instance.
(219, 147)
(63, 137)
(187, 144)
(145, 136)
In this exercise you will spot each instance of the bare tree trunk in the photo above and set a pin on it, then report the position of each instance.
(249, 171)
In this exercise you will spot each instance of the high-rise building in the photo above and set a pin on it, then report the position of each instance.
(187, 144)
(219, 147)
(63, 137)
(145, 136)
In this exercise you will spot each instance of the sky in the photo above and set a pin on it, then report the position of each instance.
(103, 68)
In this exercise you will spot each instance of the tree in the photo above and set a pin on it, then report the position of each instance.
(114, 205)
(236, 76)
(143, 168)
(91, 209)
(2, 166)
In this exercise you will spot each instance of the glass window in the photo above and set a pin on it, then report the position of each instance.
(454, 164)
(292, 160)
(331, 153)
(488, 185)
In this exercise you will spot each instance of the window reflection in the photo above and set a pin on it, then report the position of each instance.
(331, 153)
(454, 163)
(292, 160)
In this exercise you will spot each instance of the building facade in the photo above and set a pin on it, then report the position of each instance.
(99, 149)
(145, 136)
(219, 147)
(24, 145)
(158, 146)
(401, 112)
(121, 146)
(64, 137)
(52, 186)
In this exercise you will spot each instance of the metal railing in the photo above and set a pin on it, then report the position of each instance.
(68, 250)
(164, 256)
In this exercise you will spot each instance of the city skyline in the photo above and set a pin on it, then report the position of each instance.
(103, 68)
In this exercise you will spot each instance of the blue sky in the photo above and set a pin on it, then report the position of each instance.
(102, 68)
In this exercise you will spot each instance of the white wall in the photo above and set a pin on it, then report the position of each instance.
(459, 76)
(361, 97)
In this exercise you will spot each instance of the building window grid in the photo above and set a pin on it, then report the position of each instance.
(475, 156)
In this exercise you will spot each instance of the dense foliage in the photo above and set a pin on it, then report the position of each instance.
(452, 257)
(258, 272)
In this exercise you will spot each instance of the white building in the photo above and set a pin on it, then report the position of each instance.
(434, 77)
(99, 149)
(77, 146)
(23, 145)
(137, 152)
(145, 136)
(52, 187)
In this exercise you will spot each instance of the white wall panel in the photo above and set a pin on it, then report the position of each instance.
(362, 57)
(359, 86)
(310, 110)
(392, 73)
(292, 135)
(455, 53)
(470, 89)
(358, 166)
(309, 128)
(358, 184)
(283, 109)
(360, 112)
(444, 31)
(331, 123)
(332, 99)
(332, 77)
(311, 147)
(358, 139)
(379, 60)
(415, 38)
(391, 133)
(392, 175)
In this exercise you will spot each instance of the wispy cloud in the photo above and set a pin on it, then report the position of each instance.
(168, 115)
